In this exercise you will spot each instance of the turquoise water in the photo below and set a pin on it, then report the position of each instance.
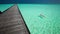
(3, 7)
(41, 18)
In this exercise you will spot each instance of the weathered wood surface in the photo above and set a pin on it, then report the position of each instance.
(11, 22)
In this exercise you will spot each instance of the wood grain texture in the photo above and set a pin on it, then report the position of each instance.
(11, 22)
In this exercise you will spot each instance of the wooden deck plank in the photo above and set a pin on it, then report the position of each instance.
(11, 22)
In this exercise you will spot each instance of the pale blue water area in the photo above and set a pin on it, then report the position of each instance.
(41, 18)
(4, 7)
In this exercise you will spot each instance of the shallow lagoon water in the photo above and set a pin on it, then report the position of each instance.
(4, 7)
(38, 24)
(39, 18)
